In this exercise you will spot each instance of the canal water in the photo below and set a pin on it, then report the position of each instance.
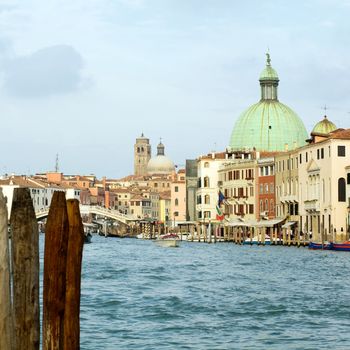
(137, 295)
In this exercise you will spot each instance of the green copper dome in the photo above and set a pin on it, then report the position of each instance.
(324, 127)
(268, 125)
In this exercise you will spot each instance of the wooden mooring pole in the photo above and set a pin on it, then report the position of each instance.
(25, 269)
(73, 277)
(55, 261)
(6, 326)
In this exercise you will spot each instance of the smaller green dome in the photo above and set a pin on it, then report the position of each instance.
(268, 73)
(324, 127)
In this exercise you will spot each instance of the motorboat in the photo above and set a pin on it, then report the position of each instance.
(321, 246)
(168, 240)
(345, 246)
(258, 240)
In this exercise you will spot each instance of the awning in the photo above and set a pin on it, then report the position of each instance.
(288, 224)
(236, 223)
(269, 223)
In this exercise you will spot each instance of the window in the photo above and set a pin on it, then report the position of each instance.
(176, 213)
(206, 165)
(271, 205)
(322, 153)
(266, 205)
(207, 199)
(318, 154)
(266, 188)
(306, 157)
(348, 179)
(296, 209)
(261, 205)
(176, 202)
(176, 188)
(206, 182)
(261, 188)
(341, 190)
(272, 187)
(207, 214)
(341, 151)
(199, 199)
(251, 208)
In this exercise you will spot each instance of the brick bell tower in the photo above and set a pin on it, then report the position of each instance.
(142, 155)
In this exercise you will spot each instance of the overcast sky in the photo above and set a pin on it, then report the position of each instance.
(84, 78)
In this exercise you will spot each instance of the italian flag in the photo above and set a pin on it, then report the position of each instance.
(219, 214)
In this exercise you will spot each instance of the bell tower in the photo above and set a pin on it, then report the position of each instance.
(142, 155)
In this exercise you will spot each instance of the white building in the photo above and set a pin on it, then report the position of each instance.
(207, 192)
(323, 174)
(40, 191)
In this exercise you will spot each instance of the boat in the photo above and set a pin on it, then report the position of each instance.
(168, 240)
(87, 237)
(345, 246)
(258, 240)
(324, 246)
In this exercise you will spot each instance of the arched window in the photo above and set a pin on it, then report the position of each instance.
(206, 182)
(176, 201)
(261, 205)
(206, 165)
(266, 205)
(207, 199)
(341, 190)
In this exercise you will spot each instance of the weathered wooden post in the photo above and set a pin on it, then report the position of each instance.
(6, 325)
(263, 235)
(25, 269)
(73, 277)
(55, 262)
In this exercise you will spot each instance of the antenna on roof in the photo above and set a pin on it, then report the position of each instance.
(56, 165)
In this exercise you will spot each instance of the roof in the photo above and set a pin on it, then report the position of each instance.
(268, 72)
(263, 126)
(323, 127)
(213, 155)
(340, 134)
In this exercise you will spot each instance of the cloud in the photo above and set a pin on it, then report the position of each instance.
(53, 70)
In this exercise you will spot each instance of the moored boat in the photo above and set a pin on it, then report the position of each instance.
(87, 237)
(345, 246)
(317, 246)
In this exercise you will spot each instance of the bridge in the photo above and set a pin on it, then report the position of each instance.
(94, 209)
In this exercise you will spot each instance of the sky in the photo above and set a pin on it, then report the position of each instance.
(84, 78)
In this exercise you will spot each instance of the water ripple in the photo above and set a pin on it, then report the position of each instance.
(136, 295)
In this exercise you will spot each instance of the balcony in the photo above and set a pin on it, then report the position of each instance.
(289, 198)
(312, 205)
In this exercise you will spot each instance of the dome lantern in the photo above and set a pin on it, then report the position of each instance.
(160, 149)
(268, 81)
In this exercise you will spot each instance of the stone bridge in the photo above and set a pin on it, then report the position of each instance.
(97, 210)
